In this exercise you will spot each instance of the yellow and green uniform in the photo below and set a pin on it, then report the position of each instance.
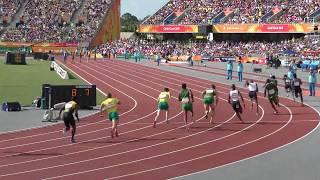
(185, 100)
(110, 105)
(164, 100)
(209, 95)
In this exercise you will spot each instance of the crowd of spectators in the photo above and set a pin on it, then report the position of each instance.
(9, 7)
(50, 21)
(202, 12)
(214, 49)
(171, 7)
(299, 11)
(245, 11)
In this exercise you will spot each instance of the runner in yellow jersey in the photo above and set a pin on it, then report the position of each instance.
(111, 106)
(163, 105)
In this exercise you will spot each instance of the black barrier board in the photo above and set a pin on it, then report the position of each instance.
(86, 94)
(16, 58)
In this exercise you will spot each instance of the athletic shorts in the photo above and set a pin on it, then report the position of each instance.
(287, 86)
(208, 100)
(297, 90)
(237, 106)
(113, 116)
(186, 106)
(253, 94)
(163, 106)
(273, 98)
(68, 119)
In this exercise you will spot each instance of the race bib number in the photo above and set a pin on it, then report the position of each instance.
(68, 106)
(185, 100)
(109, 106)
(237, 106)
(272, 91)
(209, 91)
(163, 96)
(296, 83)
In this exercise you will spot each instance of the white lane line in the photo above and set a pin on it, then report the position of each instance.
(87, 140)
(59, 131)
(77, 135)
(208, 155)
(261, 154)
(174, 74)
(100, 147)
(160, 155)
(173, 140)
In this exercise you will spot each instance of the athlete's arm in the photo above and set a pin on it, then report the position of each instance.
(217, 98)
(229, 99)
(265, 91)
(244, 105)
(191, 94)
(101, 108)
(257, 90)
(60, 112)
(76, 112)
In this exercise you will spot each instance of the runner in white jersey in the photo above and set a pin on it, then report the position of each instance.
(288, 85)
(233, 99)
(253, 89)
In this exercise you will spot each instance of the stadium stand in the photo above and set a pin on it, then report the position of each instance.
(50, 21)
(214, 49)
(245, 11)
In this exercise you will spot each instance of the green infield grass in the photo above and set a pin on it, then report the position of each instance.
(23, 83)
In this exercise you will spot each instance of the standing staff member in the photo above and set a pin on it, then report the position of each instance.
(229, 70)
(68, 119)
(312, 82)
(210, 101)
(240, 71)
(186, 99)
(253, 89)
(110, 105)
(163, 105)
(233, 99)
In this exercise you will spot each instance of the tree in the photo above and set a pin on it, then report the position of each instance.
(129, 23)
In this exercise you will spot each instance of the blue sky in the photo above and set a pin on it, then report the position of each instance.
(141, 8)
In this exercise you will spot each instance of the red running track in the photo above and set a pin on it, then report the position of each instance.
(142, 152)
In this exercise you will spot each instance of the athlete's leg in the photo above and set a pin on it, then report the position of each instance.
(206, 110)
(113, 128)
(252, 103)
(116, 128)
(301, 98)
(192, 115)
(73, 132)
(186, 119)
(257, 104)
(155, 119)
(273, 107)
(213, 111)
(167, 113)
